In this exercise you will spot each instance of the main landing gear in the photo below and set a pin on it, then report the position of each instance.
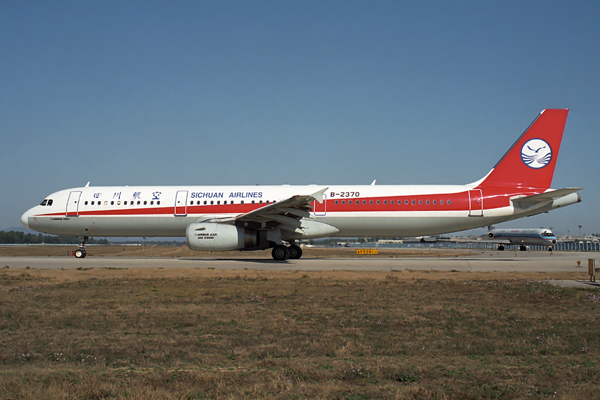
(80, 252)
(521, 247)
(282, 253)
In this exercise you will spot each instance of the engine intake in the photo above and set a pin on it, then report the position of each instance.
(208, 236)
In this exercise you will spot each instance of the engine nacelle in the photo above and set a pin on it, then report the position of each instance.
(491, 235)
(208, 236)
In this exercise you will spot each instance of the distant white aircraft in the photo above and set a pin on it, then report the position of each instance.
(218, 218)
(522, 237)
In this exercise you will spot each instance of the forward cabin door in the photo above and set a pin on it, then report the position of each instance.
(181, 203)
(475, 203)
(73, 204)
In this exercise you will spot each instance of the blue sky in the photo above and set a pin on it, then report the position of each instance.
(292, 92)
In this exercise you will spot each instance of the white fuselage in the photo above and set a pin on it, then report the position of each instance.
(369, 210)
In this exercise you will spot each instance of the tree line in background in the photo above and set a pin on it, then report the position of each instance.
(15, 237)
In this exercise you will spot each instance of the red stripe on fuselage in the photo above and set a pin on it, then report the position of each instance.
(492, 197)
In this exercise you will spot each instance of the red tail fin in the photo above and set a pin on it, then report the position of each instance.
(531, 160)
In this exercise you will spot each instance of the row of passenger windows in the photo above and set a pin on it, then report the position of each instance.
(206, 202)
(112, 203)
(218, 202)
(392, 202)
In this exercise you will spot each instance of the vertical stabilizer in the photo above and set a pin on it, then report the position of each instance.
(530, 162)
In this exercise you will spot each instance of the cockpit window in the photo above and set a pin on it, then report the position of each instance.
(43, 203)
(546, 233)
(49, 202)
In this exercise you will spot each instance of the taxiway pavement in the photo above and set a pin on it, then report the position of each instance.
(486, 261)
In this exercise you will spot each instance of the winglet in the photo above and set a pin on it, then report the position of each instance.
(318, 196)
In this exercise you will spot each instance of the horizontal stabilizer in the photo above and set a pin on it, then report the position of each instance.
(547, 197)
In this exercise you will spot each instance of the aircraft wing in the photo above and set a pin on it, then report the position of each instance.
(286, 212)
(294, 207)
(547, 197)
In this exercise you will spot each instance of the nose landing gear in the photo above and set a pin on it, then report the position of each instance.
(80, 252)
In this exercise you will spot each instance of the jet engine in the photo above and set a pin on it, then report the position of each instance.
(491, 235)
(208, 236)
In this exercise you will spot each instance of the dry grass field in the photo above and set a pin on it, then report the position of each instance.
(210, 334)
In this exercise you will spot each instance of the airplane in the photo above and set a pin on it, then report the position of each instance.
(221, 218)
(522, 237)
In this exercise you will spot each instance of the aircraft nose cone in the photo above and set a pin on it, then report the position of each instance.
(25, 219)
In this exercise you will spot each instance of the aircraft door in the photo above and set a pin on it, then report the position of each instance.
(320, 209)
(73, 204)
(475, 203)
(181, 203)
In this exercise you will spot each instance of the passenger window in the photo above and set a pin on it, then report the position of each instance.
(205, 202)
(158, 203)
(86, 203)
(112, 203)
(405, 202)
(420, 202)
(427, 202)
(378, 202)
(385, 202)
(145, 202)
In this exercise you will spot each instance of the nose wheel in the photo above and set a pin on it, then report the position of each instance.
(80, 252)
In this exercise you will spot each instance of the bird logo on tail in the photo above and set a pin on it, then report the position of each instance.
(536, 153)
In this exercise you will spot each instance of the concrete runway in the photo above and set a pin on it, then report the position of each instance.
(486, 261)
